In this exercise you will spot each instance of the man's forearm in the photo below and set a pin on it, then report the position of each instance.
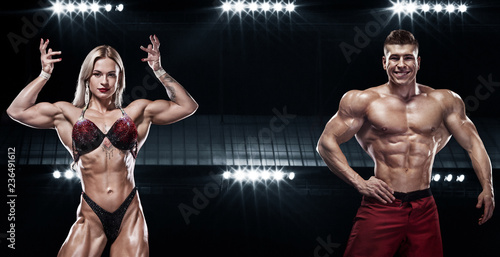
(482, 166)
(337, 163)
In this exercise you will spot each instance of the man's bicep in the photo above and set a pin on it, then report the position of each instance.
(342, 127)
(459, 125)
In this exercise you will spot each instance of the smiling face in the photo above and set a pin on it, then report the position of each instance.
(104, 80)
(401, 63)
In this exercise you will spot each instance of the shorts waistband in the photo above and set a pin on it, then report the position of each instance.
(412, 196)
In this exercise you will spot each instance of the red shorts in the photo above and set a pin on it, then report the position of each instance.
(408, 227)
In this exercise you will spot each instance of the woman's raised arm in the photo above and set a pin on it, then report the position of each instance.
(23, 109)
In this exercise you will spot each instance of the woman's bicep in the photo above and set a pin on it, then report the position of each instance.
(42, 115)
(163, 112)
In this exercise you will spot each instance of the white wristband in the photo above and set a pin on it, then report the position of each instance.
(160, 72)
(45, 75)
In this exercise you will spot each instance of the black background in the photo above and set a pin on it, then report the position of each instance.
(247, 65)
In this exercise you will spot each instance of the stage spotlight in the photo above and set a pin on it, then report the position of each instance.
(411, 8)
(56, 174)
(291, 175)
(253, 6)
(226, 6)
(57, 7)
(398, 7)
(278, 175)
(108, 7)
(278, 7)
(253, 175)
(448, 178)
(69, 174)
(226, 174)
(461, 178)
(265, 7)
(82, 7)
(94, 7)
(290, 7)
(239, 6)
(119, 7)
(436, 177)
(462, 8)
(70, 7)
(450, 8)
(438, 8)
(265, 175)
(239, 175)
(426, 7)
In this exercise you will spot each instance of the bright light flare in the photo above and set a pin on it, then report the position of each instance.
(438, 8)
(253, 7)
(290, 7)
(436, 177)
(226, 6)
(411, 7)
(239, 175)
(253, 175)
(239, 6)
(265, 6)
(56, 174)
(265, 175)
(94, 7)
(108, 7)
(450, 8)
(398, 7)
(462, 8)
(70, 7)
(119, 7)
(461, 178)
(226, 174)
(82, 7)
(69, 174)
(57, 8)
(448, 177)
(278, 7)
(278, 175)
(426, 7)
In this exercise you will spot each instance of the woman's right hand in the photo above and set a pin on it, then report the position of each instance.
(46, 56)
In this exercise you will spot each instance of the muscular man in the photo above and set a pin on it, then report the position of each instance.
(402, 125)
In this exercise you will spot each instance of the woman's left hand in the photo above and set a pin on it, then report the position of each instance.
(153, 51)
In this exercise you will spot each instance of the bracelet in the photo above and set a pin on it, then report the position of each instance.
(160, 72)
(45, 75)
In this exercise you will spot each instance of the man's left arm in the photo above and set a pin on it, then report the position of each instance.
(464, 131)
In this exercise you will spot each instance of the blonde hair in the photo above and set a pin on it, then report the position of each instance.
(87, 69)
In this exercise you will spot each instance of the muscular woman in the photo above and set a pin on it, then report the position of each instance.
(104, 138)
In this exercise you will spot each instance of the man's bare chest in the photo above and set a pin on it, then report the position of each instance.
(421, 115)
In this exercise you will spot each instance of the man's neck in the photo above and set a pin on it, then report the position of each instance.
(404, 91)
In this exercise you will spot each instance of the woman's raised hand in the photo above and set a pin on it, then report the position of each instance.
(153, 51)
(46, 57)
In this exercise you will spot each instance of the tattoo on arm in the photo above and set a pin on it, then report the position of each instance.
(170, 89)
(171, 93)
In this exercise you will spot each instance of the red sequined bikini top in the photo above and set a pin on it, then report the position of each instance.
(87, 136)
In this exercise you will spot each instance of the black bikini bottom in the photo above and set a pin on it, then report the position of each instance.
(111, 221)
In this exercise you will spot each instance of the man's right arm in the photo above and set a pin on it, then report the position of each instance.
(342, 127)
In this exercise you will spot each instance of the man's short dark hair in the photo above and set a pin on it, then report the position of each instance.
(401, 37)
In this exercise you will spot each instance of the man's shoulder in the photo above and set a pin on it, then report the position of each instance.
(366, 95)
(440, 94)
(355, 102)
